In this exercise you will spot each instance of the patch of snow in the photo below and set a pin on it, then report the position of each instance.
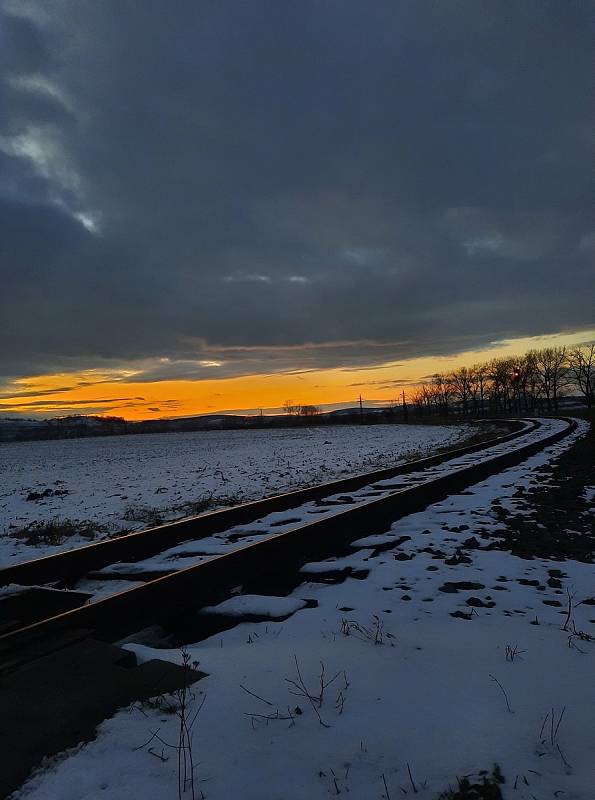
(12, 588)
(256, 605)
(355, 560)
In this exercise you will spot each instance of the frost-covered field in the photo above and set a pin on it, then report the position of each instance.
(134, 481)
(449, 657)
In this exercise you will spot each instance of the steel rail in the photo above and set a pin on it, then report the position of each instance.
(71, 565)
(214, 579)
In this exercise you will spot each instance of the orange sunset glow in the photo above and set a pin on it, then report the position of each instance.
(117, 393)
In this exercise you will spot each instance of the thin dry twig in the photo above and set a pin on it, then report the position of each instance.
(413, 786)
(503, 692)
(387, 793)
(513, 652)
(298, 687)
(569, 612)
(182, 708)
(262, 699)
(276, 715)
(375, 633)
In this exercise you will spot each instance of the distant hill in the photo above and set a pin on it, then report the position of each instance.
(78, 426)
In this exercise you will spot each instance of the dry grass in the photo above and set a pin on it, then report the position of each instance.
(57, 531)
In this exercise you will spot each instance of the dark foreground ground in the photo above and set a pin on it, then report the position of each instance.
(556, 521)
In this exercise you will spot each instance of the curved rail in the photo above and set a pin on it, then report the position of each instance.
(70, 565)
(211, 581)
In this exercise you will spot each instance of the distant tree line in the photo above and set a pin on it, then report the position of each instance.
(528, 384)
(520, 384)
(300, 411)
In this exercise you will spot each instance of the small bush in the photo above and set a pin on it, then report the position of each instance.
(487, 787)
(57, 531)
(147, 515)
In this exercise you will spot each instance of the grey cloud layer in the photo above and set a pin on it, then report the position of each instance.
(273, 174)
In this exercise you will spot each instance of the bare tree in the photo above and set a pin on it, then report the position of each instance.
(501, 372)
(512, 384)
(291, 409)
(461, 382)
(442, 392)
(478, 386)
(308, 411)
(581, 366)
(551, 366)
(531, 381)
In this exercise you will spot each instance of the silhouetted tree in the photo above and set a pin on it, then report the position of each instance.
(551, 366)
(581, 367)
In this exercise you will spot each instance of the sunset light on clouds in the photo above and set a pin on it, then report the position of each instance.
(129, 394)
(232, 204)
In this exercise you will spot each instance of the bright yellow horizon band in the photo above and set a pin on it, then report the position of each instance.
(115, 393)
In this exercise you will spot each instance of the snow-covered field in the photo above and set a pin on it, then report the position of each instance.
(448, 658)
(132, 482)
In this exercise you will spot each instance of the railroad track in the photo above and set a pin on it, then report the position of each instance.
(61, 674)
(154, 576)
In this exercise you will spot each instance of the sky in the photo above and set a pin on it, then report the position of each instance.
(221, 205)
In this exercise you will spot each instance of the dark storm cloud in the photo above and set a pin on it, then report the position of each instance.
(179, 181)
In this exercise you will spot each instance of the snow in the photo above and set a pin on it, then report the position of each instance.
(429, 698)
(11, 589)
(353, 561)
(108, 480)
(256, 606)
(375, 540)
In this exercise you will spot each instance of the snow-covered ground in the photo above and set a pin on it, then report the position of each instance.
(131, 482)
(420, 696)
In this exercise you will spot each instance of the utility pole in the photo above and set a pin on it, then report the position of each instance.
(361, 411)
(405, 409)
